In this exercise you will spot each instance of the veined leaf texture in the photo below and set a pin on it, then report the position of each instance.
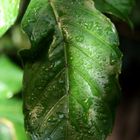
(71, 71)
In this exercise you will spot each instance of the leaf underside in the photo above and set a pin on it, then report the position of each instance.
(71, 71)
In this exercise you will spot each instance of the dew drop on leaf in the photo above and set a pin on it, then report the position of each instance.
(88, 25)
(79, 38)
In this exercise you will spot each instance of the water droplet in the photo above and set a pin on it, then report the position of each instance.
(88, 25)
(97, 27)
(79, 38)
(78, 138)
(51, 66)
(61, 116)
(90, 131)
(43, 67)
(71, 58)
(39, 88)
(54, 86)
(112, 59)
(112, 62)
(46, 69)
(52, 119)
(70, 38)
(72, 2)
(61, 81)
(48, 138)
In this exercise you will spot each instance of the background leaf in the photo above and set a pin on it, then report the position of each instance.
(8, 14)
(119, 8)
(10, 78)
(71, 71)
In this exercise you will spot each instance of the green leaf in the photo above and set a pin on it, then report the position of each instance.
(8, 14)
(11, 120)
(119, 8)
(71, 71)
(10, 78)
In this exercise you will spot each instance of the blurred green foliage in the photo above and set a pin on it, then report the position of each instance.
(10, 78)
(8, 14)
(11, 115)
(11, 120)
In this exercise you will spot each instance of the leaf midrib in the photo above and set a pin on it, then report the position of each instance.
(65, 50)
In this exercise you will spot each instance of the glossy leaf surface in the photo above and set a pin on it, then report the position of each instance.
(8, 14)
(71, 71)
(119, 8)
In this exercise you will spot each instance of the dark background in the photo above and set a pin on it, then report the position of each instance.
(127, 124)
